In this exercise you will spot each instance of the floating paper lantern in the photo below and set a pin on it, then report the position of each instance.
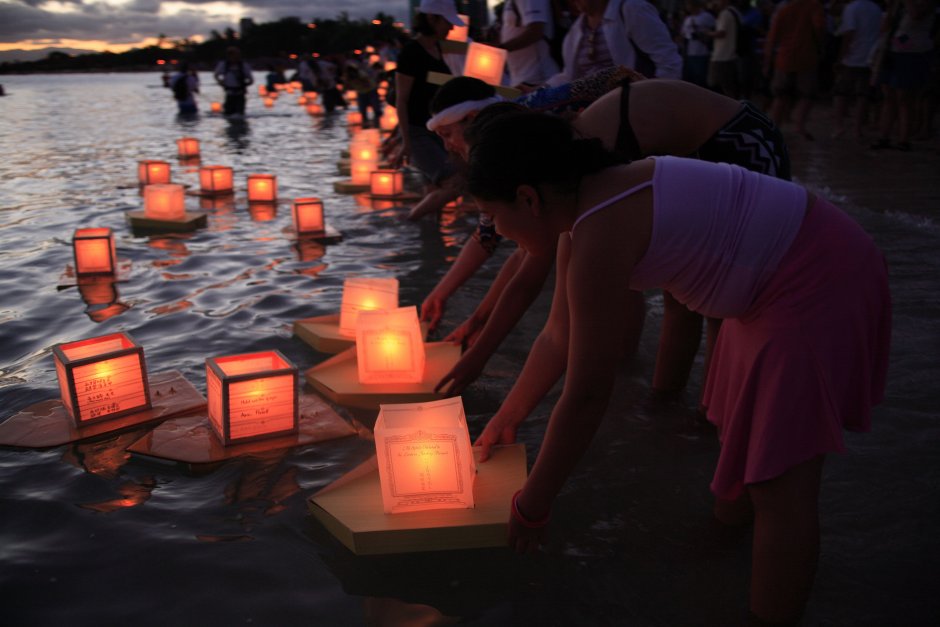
(296, 85)
(389, 119)
(301, 100)
(216, 107)
(164, 202)
(310, 95)
(94, 252)
(252, 396)
(485, 63)
(150, 172)
(215, 179)
(390, 346)
(459, 33)
(262, 188)
(365, 294)
(269, 102)
(314, 109)
(350, 95)
(102, 377)
(386, 183)
(262, 90)
(308, 215)
(390, 66)
(424, 456)
(187, 147)
(354, 118)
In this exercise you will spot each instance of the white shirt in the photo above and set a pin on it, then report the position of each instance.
(701, 23)
(726, 48)
(862, 17)
(532, 64)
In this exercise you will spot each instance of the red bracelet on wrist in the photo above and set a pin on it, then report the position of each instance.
(522, 520)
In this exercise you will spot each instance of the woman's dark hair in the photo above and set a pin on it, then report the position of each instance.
(528, 148)
(471, 132)
(460, 89)
(422, 24)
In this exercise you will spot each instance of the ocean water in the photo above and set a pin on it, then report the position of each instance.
(90, 535)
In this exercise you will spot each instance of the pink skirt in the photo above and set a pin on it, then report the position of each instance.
(808, 359)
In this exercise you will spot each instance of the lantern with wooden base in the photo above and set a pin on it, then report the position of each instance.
(252, 396)
(386, 183)
(262, 188)
(390, 346)
(215, 180)
(164, 210)
(485, 63)
(150, 172)
(94, 252)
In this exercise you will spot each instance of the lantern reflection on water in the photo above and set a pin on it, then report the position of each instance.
(94, 252)
(308, 215)
(164, 202)
(102, 377)
(365, 294)
(252, 396)
(150, 171)
(390, 346)
(485, 63)
(262, 188)
(424, 456)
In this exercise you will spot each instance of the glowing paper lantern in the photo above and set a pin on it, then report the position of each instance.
(354, 118)
(386, 183)
(390, 66)
(459, 33)
(269, 102)
(187, 147)
(102, 377)
(424, 456)
(310, 95)
(390, 346)
(252, 396)
(350, 96)
(296, 85)
(262, 188)
(485, 63)
(314, 109)
(308, 215)
(301, 100)
(389, 119)
(150, 172)
(164, 202)
(94, 252)
(216, 107)
(262, 90)
(363, 160)
(215, 179)
(365, 294)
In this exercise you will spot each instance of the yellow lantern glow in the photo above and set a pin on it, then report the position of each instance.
(485, 63)
(150, 172)
(262, 188)
(390, 65)
(102, 377)
(308, 215)
(314, 109)
(350, 95)
(389, 119)
(386, 183)
(215, 179)
(365, 294)
(354, 118)
(424, 456)
(390, 346)
(187, 147)
(164, 202)
(459, 33)
(252, 396)
(94, 252)
(216, 107)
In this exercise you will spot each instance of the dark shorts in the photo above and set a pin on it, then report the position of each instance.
(803, 84)
(852, 81)
(234, 102)
(723, 75)
(751, 140)
(907, 70)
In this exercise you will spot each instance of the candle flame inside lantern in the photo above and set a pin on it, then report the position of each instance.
(164, 202)
(390, 346)
(386, 183)
(262, 188)
(150, 172)
(485, 63)
(365, 294)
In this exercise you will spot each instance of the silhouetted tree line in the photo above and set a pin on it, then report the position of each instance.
(259, 42)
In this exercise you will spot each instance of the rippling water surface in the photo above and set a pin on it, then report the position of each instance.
(91, 536)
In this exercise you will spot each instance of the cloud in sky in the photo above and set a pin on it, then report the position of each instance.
(132, 21)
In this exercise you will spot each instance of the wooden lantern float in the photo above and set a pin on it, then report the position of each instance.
(424, 456)
(390, 346)
(94, 252)
(307, 214)
(485, 63)
(102, 377)
(252, 396)
(262, 188)
(365, 294)
(164, 202)
(187, 147)
(151, 172)
(215, 107)
(386, 183)
(215, 179)
(459, 33)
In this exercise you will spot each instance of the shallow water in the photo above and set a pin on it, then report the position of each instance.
(92, 536)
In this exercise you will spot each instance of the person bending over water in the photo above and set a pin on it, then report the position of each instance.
(802, 353)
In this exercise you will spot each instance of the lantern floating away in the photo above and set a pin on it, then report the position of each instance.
(424, 456)
(94, 252)
(187, 147)
(365, 294)
(102, 377)
(308, 215)
(252, 396)
(262, 188)
(386, 183)
(215, 107)
(269, 102)
(215, 179)
(390, 346)
(485, 63)
(164, 202)
(350, 96)
(262, 90)
(150, 172)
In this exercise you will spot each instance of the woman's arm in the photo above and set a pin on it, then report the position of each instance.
(471, 257)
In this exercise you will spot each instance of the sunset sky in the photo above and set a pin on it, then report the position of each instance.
(118, 25)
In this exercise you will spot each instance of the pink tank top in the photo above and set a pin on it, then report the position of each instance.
(719, 232)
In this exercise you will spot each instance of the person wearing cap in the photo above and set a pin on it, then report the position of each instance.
(413, 93)
(527, 27)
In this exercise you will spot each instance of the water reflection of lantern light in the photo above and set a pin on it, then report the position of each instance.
(102, 377)
(150, 172)
(386, 183)
(485, 63)
(94, 252)
(262, 188)
(215, 179)
(424, 457)
(307, 214)
(187, 147)
(164, 202)
(459, 33)
(390, 346)
(262, 211)
(365, 294)
(216, 107)
(252, 396)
